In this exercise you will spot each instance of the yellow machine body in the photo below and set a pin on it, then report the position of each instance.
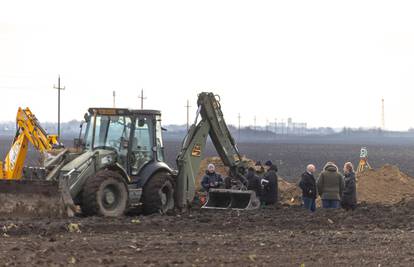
(28, 130)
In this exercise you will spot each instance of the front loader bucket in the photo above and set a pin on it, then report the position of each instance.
(231, 199)
(34, 199)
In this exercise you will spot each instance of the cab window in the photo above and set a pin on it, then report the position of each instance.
(141, 148)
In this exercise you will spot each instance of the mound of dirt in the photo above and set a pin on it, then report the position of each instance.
(387, 185)
(289, 192)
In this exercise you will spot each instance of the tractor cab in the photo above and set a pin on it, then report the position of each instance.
(135, 135)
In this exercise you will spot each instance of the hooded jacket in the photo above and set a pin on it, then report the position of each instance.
(211, 180)
(330, 183)
(349, 195)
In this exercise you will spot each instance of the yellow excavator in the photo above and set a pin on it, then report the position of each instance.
(28, 130)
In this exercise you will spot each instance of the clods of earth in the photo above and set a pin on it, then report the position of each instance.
(380, 232)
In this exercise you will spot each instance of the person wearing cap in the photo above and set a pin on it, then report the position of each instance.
(211, 179)
(308, 185)
(269, 184)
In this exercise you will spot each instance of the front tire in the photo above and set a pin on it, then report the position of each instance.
(159, 194)
(105, 194)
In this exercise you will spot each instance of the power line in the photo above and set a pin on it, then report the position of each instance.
(142, 98)
(59, 88)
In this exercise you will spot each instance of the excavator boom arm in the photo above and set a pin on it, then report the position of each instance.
(28, 130)
(212, 124)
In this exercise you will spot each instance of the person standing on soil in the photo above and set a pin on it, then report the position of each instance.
(330, 186)
(349, 195)
(269, 185)
(253, 181)
(308, 186)
(211, 179)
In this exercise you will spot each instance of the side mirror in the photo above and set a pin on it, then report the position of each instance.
(86, 117)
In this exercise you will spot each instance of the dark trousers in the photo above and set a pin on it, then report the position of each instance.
(347, 206)
(330, 204)
(309, 203)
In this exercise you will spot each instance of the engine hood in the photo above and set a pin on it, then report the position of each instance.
(101, 154)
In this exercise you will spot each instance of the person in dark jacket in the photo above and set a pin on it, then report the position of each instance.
(253, 181)
(349, 195)
(269, 185)
(211, 179)
(330, 186)
(308, 186)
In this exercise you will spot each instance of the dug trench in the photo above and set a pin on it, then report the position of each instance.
(379, 232)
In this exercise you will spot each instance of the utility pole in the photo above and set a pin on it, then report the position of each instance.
(188, 114)
(239, 117)
(142, 98)
(275, 126)
(59, 88)
(113, 95)
(383, 114)
(254, 123)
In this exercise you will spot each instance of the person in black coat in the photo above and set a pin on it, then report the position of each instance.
(253, 182)
(269, 183)
(211, 179)
(349, 194)
(308, 186)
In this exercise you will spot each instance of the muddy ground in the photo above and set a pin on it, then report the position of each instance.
(373, 235)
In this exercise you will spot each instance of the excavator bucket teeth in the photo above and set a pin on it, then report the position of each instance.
(21, 199)
(231, 199)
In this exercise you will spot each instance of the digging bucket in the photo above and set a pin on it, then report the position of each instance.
(20, 199)
(231, 199)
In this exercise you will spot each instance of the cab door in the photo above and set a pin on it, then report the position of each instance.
(141, 145)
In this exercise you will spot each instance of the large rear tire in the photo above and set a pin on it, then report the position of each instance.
(159, 194)
(105, 194)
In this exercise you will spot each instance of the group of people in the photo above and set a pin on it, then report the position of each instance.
(260, 179)
(336, 190)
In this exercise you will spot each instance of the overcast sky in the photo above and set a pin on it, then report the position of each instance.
(327, 63)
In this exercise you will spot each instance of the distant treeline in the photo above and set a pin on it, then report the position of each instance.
(345, 135)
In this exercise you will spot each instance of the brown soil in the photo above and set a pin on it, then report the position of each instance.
(387, 185)
(372, 235)
(375, 234)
